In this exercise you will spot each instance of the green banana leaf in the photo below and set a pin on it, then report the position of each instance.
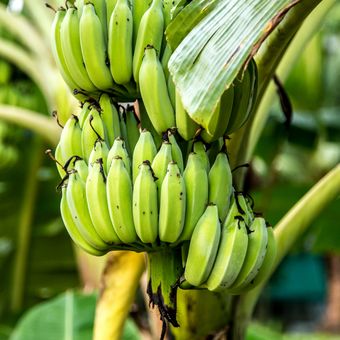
(213, 40)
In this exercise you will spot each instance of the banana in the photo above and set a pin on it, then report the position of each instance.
(100, 8)
(110, 5)
(160, 165)
(200, 150)
(132, 127)
(58, 156)
(230, 255)
(57, 49)
(186, 127)
(145, 204)
(81, 167)
(119, 198)
(154, 92)
(93, 129)
(110, 118)
(196, 185)
(118, 149)
(93, 48)
(165, 60)
(84, 112)
(70, 140)
(171, 90)
(176, 151)
(218, 121)
(243, 99)
(72, 228)
(120, 42)
(79, 4)
(97, 203)
(71, 49)
(100, 151)
(139, 7)
(172, 205)
(203, 247)
(76, 200)
(220, 184)
(257, 247)
(145, 150)
(150, 32)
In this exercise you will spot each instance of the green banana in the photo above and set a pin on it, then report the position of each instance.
(196, 185)
(110, 118)
(92, 130)
(139, 7)
(200, 150)
(71, 49)
(150, 32)
(76, 200)
(257, 247)
(118, 149)
(165, 59)
(100, 8)
(72, 228)
(171, 90)
(145, 150)
(93, 48)
(120, 42)
(110, 5)
(99, 151)
(97, 203)
(84, 112)
(132, 127)
(176, 151)
(220, 184)
(172, 205)
(186, 127)
(81, 167)
(60, 162)
(203, 247)
(119, 198)
(145, 204)
(154, 92)
(160, 165)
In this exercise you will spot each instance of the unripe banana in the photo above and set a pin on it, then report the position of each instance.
(171, 90)
(99, 151)
(72, 228)
(196, 185)
(154, 92)
(172, 205)
(81, 167)
(150, 32)
(220, 184)
(145, 150)
(97, 203)
(186, 127)
(120, 42)
(139, 7)
(176, 151)
(165, 60)
(92, 130)
(160, 165)
(200, 150)
(110, 5)
(230, 255)
(76, 200)
(79, 4)
(118, 149)
(100, 8)
(70, 43)
(84, 112)
(132, 127)
(119, 197)
(145, 204)
(203, 247)
(110, 117)
(58, 156)
(257, 247)
(57, 49)
(93, 48)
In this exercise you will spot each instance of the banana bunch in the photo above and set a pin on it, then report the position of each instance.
(233, 257)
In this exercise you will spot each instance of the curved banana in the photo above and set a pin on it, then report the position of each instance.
(110, 117)
(101, 11)
(220, 184)
(110, 5)
(160, 165)
(99, 151)
(145, 204)
(200, 150)
(118, 149)
(145, 150)
(97, 203)
(132, 127)
(196, 186)
(203, 247)
(76, 200)
(120, 42)
(119, 198)
(81, 167)
(72, 228)
(172, 205)
(70, 43)
(150, 32)
(186, 127)
(165, 59)
(84, 112)
(176, 151)
(93, 48)
(154, 92)
(257, 247)
(139, 7)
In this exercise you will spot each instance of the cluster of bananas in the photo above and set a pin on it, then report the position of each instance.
(119, 48)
